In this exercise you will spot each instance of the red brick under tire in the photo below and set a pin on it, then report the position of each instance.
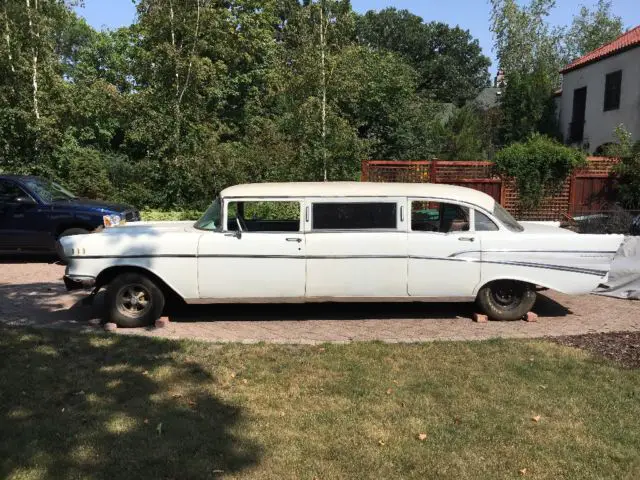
(506, 299)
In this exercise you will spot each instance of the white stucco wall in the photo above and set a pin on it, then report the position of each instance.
(600, 125)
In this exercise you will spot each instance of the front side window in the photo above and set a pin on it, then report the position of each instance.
(506, 219)
(439, 217)
(211, 218)
(484, 223)
(9, 192)
(355, 216)
(263, 216)
(612, 90)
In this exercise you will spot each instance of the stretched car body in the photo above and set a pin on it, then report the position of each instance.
(346, 241)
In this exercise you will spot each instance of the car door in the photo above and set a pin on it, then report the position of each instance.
(356, 248)
(443, 249)
(259, 254)
(20, 220)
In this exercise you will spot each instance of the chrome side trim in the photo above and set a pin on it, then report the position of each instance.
(601, 252)
(253, 300)
(565, 268)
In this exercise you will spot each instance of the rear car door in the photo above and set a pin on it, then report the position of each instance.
(444, 251)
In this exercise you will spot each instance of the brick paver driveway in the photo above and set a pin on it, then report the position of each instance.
(32, 294)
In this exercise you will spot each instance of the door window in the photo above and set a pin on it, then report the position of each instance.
(263, 216)
(9, 192)
(484, 223)
(439, 217)
(355, 216)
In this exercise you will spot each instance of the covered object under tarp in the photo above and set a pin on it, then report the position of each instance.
(624, 277)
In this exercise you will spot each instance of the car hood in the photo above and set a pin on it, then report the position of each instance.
(136, 228)
(94, 205)
(549, 228)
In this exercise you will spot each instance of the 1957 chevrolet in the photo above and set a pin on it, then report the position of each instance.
(343, 241)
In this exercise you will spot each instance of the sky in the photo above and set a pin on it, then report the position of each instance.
(472, 15)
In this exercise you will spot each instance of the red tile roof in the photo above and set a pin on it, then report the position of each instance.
(624, 42)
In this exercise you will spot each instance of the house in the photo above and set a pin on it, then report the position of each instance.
(601, 91)
(489, 97)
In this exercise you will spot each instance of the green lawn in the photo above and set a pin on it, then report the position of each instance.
(98, 406)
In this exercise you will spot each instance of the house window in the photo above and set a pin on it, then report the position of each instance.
(612, 85)
(354, 216)
(439, 217)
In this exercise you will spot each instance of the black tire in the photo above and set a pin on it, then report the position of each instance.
(67, 233)
(133, 300)
(506, 299)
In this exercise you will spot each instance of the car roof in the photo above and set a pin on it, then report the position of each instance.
(362, 189)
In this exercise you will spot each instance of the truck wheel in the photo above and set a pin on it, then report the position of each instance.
(133, 300)
(506, 299)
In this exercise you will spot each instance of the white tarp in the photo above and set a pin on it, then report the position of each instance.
(624, 277)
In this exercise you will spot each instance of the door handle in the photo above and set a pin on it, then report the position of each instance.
(466, 239)
(294, 240)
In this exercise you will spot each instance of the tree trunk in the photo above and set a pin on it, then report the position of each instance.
(324, 91)
(34, 50)
(7, 36)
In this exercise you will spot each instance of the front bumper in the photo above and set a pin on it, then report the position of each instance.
(76, 282)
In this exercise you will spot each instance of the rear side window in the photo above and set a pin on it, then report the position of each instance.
(484, 223)
(354, 216)
(439, 217)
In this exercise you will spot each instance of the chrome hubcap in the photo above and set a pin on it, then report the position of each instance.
(133, 300)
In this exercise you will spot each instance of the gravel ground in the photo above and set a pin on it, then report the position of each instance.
(32, 294)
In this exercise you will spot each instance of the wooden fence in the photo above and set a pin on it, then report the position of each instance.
(586, 190)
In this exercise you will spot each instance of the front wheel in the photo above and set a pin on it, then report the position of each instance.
(133, 300)
(506, 299)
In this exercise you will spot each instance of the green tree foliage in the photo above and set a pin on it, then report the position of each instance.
(627, 171)
(466, 136)
(591, 29)
(540, 165)
(449, 61)
(197, 95)
(531, 53)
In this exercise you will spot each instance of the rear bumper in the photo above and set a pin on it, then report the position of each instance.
(75, 282)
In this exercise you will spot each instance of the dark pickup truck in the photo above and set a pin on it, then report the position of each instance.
(36, 212)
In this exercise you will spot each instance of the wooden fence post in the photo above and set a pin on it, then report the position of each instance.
(433, 171)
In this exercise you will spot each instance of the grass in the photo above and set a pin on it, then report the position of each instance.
(98, 406)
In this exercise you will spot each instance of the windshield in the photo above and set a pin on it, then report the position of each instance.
(212, 217)
(48, 191)
(506, 219)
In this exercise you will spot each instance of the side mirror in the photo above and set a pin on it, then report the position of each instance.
(25, 200)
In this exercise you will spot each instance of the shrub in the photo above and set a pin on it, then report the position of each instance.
(627, 170)
(172, 215)
(539, 166)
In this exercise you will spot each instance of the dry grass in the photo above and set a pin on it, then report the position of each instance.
(120, 407)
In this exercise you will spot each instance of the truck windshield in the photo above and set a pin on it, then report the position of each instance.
(49, 191)
(506, 219)
(211, 219)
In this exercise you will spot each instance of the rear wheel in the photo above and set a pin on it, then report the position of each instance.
(133, 300)
(506, 299)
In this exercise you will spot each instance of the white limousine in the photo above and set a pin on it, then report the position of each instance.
(342, 241)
